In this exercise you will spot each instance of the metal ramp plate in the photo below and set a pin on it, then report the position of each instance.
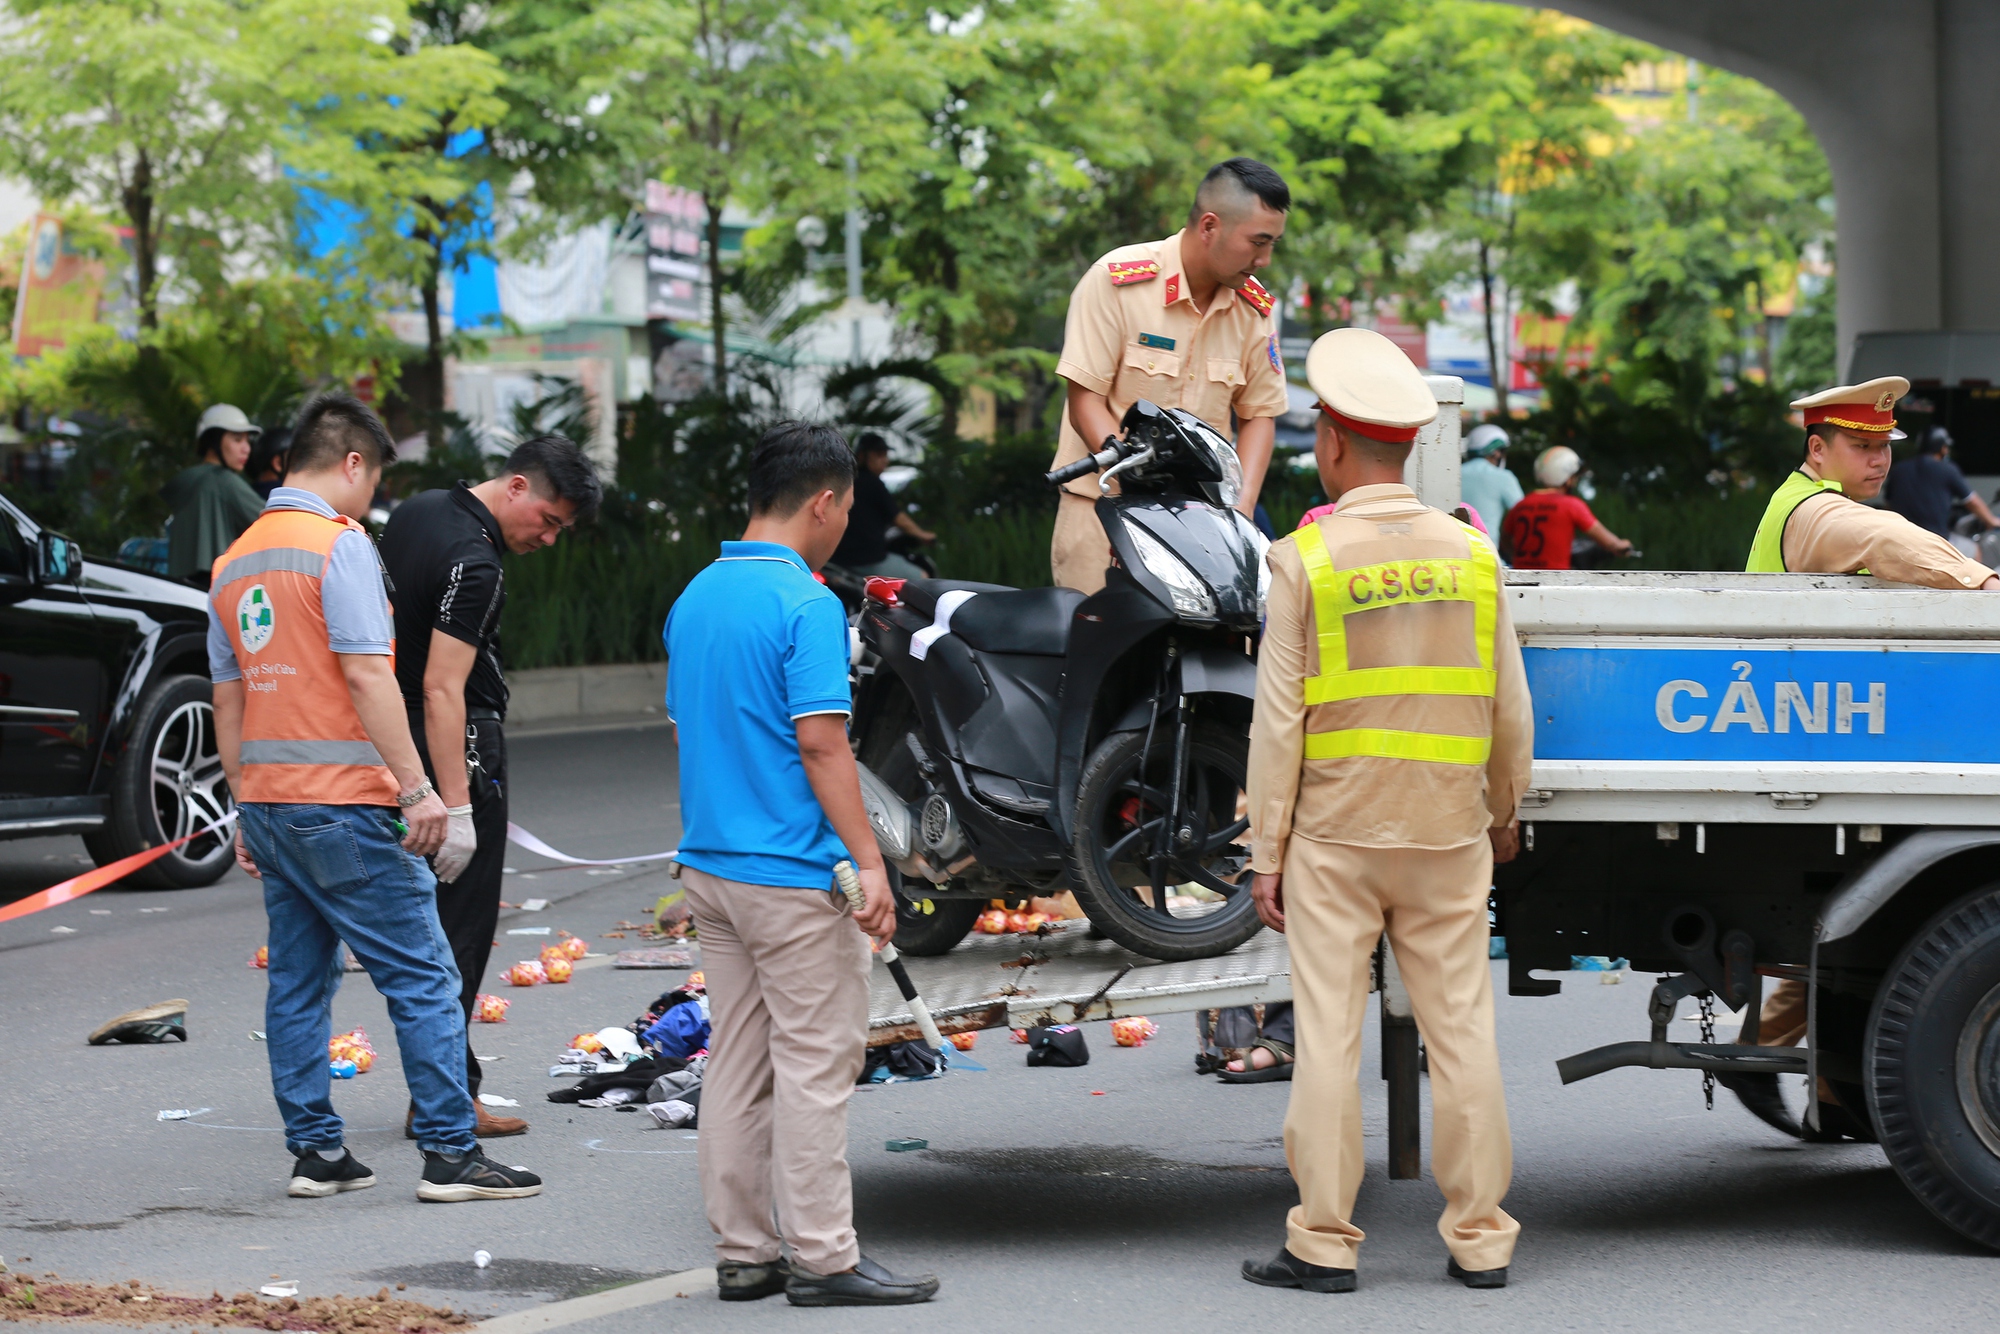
(1065, 978)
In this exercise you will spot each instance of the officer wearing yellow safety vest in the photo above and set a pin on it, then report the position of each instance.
(1392, 740)
(1816, 524)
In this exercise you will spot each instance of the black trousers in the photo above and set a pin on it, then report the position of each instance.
(469, 907)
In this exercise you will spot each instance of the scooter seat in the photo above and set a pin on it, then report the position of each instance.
(921, 595)
(1018, 620)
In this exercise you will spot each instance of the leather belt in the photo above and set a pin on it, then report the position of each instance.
(483, 716)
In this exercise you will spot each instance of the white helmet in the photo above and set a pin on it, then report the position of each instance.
(1485, 439)
(1556, 465)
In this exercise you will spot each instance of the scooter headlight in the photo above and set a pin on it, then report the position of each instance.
(1262, 546)
(1190, 595)
(1232, 474)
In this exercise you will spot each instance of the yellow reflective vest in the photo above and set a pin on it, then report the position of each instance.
(1337, 594)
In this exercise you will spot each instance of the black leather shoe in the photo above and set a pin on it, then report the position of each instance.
(746, 1281)
(1761, 1097)
(1477, 1278)
(1288, 1271)
(867, 1284)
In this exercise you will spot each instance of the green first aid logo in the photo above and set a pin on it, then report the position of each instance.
(253, 618)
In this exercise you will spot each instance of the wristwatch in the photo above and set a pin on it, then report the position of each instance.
(416, 794)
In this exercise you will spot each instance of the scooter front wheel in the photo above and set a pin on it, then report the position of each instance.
(1176, 889)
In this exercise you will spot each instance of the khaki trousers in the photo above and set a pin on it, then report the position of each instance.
(1079, 552)
(787, 974)
(1338, 900)
(1782, 1021)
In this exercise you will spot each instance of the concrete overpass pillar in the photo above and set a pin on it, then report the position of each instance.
(1903, 97)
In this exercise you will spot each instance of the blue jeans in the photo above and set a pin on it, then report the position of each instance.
(334, 873)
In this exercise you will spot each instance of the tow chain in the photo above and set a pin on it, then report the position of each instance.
(1707, 1000)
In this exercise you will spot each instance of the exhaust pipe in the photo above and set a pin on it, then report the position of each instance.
(889, 817)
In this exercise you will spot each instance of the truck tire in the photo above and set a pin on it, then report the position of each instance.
(1932, 1066)
(927, 926)
(168, 783)
(1114, 811)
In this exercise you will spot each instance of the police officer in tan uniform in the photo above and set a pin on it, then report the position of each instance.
(1182, 323)
(1816, 524)
(1392, 740)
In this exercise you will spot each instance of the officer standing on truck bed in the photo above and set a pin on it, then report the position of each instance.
(1182, 323)
(1816, 524)
(1392, 740)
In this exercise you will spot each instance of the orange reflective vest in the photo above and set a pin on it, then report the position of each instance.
(303, 742)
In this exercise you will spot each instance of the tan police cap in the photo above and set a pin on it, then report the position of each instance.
(1869, 408)
(1366, 384)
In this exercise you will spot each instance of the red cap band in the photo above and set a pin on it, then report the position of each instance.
(1388, 435)
(1851, 417)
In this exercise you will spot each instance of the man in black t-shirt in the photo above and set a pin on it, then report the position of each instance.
(1923, 487)
(864, 550)
(442, 551)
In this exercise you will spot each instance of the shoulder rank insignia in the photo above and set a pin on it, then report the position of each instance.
(1125, 272)
(1258, 295)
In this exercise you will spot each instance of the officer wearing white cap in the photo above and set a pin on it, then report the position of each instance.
(1391, 743)
(212, 503)
(1816, 524)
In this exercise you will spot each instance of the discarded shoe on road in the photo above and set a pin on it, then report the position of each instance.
(153, 1023)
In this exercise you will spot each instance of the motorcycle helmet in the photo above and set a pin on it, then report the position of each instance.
(1485, 441)
(1556, 465)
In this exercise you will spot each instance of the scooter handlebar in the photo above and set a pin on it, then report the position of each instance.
(1103, 458)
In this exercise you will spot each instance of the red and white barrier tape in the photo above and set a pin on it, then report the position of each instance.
(77, 886)
(523, 839)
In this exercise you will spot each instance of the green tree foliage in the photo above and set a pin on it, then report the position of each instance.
(259, 344)
(195, 123)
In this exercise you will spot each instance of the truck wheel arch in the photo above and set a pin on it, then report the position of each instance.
(1910, 882)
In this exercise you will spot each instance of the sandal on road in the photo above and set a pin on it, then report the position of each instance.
(1278, 1070)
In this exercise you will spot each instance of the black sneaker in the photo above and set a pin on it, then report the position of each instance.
(473, 1176)
(313, 1177)
(166, 1021)
(746, 1281)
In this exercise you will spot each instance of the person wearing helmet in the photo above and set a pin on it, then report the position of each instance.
(1485, 482)
(1923, 487)
(1538, 530)
(212, 503)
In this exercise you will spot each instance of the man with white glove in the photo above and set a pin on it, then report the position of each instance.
(442, 552)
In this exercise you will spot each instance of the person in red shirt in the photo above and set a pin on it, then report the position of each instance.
(1537, 532)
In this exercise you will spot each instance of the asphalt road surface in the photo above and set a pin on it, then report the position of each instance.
(1117, 1196)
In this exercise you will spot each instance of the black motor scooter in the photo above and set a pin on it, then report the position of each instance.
(1019, 742)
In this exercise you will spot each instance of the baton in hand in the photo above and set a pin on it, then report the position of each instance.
(850, 885)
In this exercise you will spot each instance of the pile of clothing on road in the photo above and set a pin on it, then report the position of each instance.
(655, 1061)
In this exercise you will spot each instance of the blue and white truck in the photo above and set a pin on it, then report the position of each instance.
(1738, 777)
(1750, 776)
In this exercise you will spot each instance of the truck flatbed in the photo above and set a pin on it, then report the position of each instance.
(1065, 977)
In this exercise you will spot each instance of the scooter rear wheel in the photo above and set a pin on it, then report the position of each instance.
(926, 926)
(1121, 805)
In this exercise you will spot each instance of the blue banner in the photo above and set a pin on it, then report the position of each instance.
(1887, 705)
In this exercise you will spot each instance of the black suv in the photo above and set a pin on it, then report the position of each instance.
(106, 727)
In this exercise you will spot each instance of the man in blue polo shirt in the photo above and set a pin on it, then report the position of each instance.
(770, 801)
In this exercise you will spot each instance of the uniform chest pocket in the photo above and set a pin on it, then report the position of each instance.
(1152, 361)
(1225, 371)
